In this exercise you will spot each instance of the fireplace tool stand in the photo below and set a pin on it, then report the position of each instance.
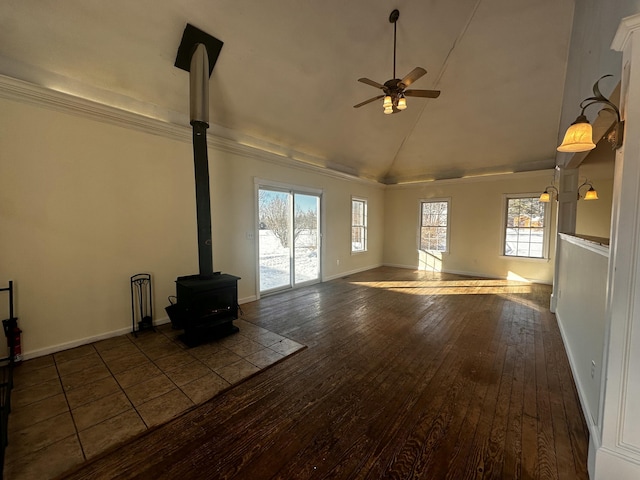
(141, 303)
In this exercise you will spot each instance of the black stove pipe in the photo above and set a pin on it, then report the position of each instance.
(199, 112)
(197, 54)
(203, 198)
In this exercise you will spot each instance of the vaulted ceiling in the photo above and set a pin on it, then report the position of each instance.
(286, 78)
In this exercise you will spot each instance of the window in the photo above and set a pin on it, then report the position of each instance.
(358, 225)
(434, 225)
(525, 233)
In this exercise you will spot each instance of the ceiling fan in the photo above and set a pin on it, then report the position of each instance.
(395, 89)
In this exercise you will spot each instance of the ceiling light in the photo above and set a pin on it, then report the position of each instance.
(388, 110)
(387, 102)
(579, 136)
(402, 103)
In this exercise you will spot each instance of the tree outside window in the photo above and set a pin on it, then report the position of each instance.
(525, 227)
(434, 225)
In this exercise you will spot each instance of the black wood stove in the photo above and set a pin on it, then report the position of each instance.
(207, 306)
(207, 303)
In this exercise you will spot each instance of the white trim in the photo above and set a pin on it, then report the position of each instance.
(625, 30)
(292, 190)
(365, 200)
(351, 272)
(525, 259)
(586, 244)
(219, 138)
(249, 299)
(507, 176)
(286, 186)
(434, 200)
(84, 341)
(595, 433)
(103, 336)
(546, 228)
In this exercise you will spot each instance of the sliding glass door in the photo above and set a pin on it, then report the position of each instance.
(288, 239)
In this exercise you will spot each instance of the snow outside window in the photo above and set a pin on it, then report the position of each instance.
(526, 228)
(358, 225)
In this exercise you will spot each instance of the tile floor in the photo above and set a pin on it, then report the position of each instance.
(72, 405)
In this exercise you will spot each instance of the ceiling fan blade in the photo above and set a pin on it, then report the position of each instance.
(422, 93)
(370, 82)
(369, 101)
(412, 76)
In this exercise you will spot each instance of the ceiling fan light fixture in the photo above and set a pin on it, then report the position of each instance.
(395, 89)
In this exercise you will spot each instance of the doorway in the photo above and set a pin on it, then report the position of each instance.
(289, 238)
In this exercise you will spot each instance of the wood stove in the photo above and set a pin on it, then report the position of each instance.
(207, 303)
(206, 307)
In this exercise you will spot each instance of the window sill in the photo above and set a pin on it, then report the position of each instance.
(525, 259)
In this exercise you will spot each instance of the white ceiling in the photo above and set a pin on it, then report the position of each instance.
(287, 74)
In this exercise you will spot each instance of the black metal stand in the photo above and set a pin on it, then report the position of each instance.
(6, 375)
(141, 303)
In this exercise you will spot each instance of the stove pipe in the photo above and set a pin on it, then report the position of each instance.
(197, 54)
(199, 113)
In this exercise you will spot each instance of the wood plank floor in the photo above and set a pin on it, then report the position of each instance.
(406, 375)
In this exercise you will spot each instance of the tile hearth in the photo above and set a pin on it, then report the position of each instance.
(72, 405)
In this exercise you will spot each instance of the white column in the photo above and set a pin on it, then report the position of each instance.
(567, 181)
(617, 453)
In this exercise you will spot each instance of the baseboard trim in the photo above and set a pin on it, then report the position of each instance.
(350, 272)
(594, 429)
(250, 298)
(611, 464)
(84, 341)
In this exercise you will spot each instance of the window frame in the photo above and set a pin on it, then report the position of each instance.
(364, 227)
(422, 201)
(546, 227)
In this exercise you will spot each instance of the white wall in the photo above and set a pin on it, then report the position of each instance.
(85, 204)
(582, 288)
(476, 223)
(611, 455)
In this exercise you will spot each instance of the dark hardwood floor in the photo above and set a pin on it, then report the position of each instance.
(406, 375)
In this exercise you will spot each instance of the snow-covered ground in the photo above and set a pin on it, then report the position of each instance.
(275, 260)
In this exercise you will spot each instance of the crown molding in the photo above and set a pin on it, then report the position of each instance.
(219, 138)
(627, 26)
(490, 177)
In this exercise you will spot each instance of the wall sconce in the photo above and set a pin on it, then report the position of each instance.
(545, 197)
(590, 194)
(579, 136)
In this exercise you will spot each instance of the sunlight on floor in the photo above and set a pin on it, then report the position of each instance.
(451, 287)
